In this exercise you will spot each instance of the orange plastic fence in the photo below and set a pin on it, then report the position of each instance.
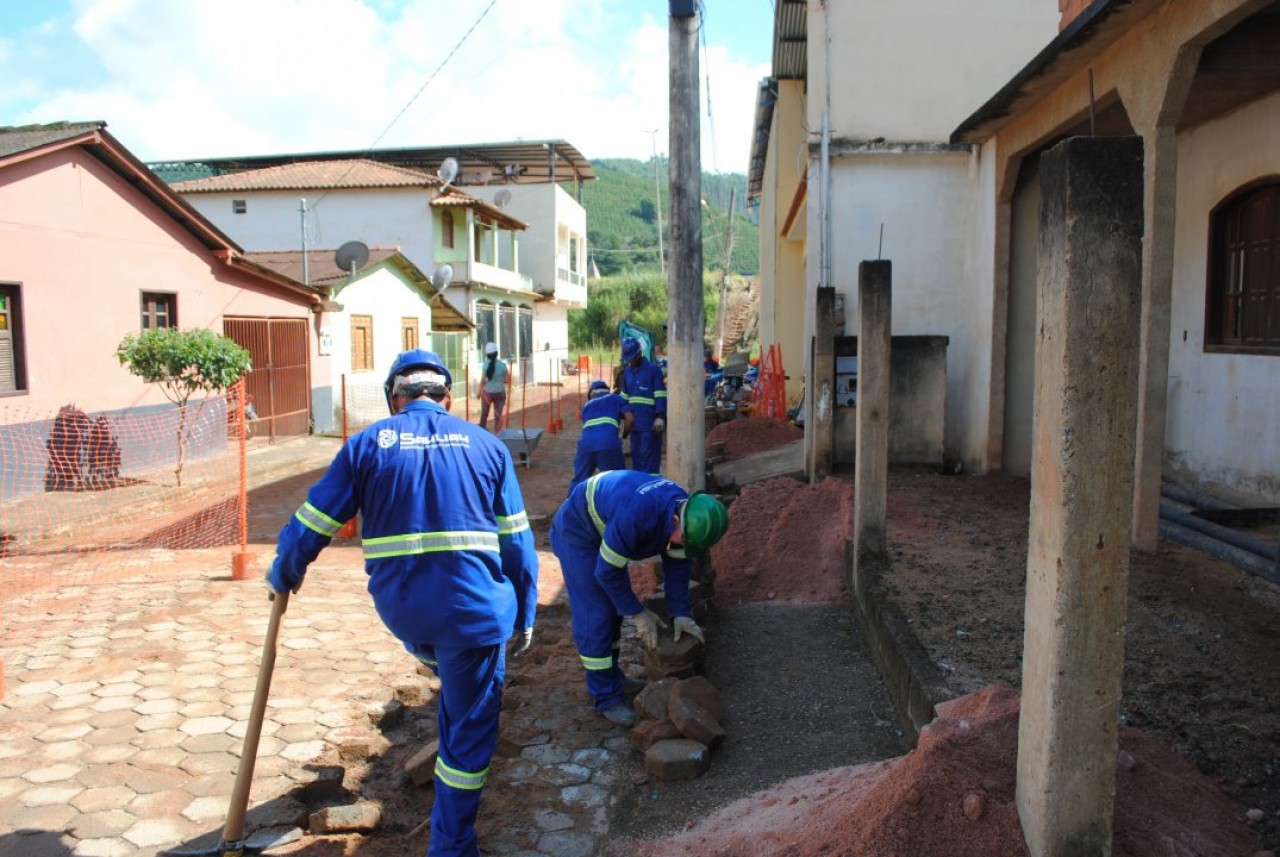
(771, 395)
(94, 498)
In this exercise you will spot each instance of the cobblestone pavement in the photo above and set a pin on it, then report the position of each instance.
(126, 705)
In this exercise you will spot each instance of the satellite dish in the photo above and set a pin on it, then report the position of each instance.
(502, 197)
(351, 256)
(441, 277)
(448, 172)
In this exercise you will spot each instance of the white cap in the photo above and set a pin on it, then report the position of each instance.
(491, 348)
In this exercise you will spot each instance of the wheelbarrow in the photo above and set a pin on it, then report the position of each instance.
(521, 441)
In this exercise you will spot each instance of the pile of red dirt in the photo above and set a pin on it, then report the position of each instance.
(772, 526)
(752, 434)
(953, 796)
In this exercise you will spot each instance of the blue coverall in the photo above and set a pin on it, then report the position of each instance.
(452, 570)
(606, 522)
(600, 447)
(645, 390)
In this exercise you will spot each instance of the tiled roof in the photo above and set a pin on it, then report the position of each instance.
(20, 138)
(322, 270)
(313, 175)
(454, 198)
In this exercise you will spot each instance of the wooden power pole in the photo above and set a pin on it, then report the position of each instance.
(686, 327)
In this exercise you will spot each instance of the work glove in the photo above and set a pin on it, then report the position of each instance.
(521, 641)
(272, 589)
(647, 624)
(685, 625)
(658, 425)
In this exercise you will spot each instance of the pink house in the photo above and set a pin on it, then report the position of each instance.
(94, 246)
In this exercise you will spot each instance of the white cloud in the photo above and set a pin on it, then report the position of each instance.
(189, 78)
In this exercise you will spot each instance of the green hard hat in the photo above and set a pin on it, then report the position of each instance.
(703, 522)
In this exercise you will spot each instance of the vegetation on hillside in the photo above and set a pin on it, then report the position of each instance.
(623, 212)
(639, 297)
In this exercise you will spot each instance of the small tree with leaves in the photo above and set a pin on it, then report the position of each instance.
(184, 362)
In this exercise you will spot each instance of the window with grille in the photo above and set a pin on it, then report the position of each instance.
(361, 343)
(159, 309)
(408, 333)
(12, 348)
(1243, 303)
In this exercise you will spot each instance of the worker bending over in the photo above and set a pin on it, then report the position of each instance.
(606, 522)
(451, 562)
(606, 420)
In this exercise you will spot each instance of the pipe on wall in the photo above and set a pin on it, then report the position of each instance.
(1254, 545)
(1238, 557)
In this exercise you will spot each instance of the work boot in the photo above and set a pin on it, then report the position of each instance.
(621, 715)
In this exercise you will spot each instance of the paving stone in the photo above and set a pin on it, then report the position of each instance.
(305, 751)
(594, 757)
(552, 820)
(649, 732)
(150, 832)
(102, 798)
(568, 844)
(53, 816)
(108, 847)
(564, 775)
(586, 795)
(695, 722)
(206, 725)
(360, 817)
(52, 773)
(199, 764)
(50, 795)
(701, 691)
(546, 754)
(679, 759)
(61, 751)
(109, 823)
(421, 766)
(151, 780)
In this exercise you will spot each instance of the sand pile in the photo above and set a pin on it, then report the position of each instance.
(752, 434)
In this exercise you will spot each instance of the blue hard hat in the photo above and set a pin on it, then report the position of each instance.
(417, 359)
(630, 348)
(597, 388)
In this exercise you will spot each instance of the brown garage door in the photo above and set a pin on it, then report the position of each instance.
(280, 382)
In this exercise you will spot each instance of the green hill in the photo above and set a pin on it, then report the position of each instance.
(623, 213)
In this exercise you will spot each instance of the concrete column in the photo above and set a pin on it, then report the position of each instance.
(1086, 388)
(871, 448)
(819, 399)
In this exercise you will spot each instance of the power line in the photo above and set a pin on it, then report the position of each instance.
(409, 103)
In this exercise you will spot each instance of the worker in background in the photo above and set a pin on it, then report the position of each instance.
(606, 420)
(645, 390)
(710, 374)
(606, 522)
(451, 562)
(493, 387)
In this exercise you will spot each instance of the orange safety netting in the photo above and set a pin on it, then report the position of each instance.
(771, 386)
(90, 498)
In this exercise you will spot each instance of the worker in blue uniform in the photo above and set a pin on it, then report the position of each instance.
(607, 521)
(645, 390)
(606, 420)
(452, 566)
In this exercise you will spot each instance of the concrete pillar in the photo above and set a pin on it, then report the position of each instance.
(1086, 388)
(871, 448)
(819, 399)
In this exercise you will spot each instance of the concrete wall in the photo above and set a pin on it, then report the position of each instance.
(83, 244)
(382, 217)
(921, 200)
(1020, 361)
(552, 215)
(915, 69)
(1223, 409)
(917, 401)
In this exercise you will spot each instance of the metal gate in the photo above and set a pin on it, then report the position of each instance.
(280, 383)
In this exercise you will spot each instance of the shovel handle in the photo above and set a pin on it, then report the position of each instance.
(233, 831)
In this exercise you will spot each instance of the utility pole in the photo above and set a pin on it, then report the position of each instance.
(686, 326)
(657, 193)
(306, 268)
(724, 280)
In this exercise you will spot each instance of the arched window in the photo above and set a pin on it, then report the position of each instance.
(1243, 302)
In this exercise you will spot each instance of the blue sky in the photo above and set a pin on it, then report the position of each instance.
(192, 78)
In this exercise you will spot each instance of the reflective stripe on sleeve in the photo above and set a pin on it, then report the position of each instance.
(642, 400)
(600, 421)
(512, 524)
(416, 543)
(661, 394)
(460, 779)
(596, 663)
(313, 519)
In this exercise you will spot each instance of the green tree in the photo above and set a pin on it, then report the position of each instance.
(183, 363)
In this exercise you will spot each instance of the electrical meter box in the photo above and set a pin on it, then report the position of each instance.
(846, 382)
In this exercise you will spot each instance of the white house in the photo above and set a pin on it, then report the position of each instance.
(515, 238)
(387, 305)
